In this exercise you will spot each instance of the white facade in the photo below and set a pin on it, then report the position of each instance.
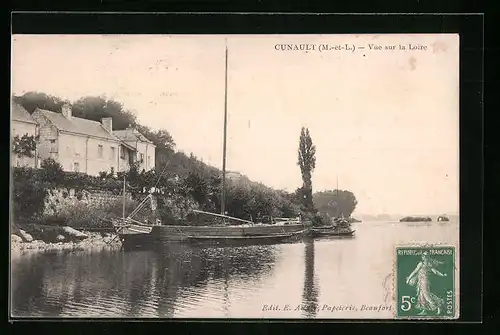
(22, 124)
(80, 153)
(145, 150)
(146, 155)
(20, 129)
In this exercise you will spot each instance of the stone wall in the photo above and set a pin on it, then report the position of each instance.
(66, 201)
(60, 199)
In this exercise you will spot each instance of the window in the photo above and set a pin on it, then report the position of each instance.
(53, 147)
(99, 151)
(76, 167)
(141, 158)
(122, 152)
(149, 160)
(113, 153)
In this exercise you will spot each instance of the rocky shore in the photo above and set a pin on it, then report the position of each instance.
(66, 239)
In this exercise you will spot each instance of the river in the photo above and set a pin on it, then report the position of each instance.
(307, 279)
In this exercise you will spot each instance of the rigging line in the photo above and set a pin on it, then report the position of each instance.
(164, 169)
(149, 195)
(139, 207)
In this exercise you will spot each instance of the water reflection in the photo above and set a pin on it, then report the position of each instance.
(180, 280)
(133, 284)
(310, 291)
(187, 268)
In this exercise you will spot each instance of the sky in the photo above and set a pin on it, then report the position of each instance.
(385, 122)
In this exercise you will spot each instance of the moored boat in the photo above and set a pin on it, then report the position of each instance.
(340, 227)
(331, 231)
(133, 232)
(315, 232)
(237, 230)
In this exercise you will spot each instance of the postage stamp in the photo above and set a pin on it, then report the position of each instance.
(425, 282)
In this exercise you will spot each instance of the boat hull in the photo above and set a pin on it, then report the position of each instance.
(331, 232)
(137, 241)
(140, 236)
(245, 240)
(225, 233)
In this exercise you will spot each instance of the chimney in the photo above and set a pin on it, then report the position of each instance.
(107, 123)
(66, 111)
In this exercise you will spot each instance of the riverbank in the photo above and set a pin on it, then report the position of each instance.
(91, 241)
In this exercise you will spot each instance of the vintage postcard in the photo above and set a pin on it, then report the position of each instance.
(235, 176)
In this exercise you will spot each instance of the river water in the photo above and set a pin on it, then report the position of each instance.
(327, 278)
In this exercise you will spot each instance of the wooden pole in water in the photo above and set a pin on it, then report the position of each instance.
(223, 195)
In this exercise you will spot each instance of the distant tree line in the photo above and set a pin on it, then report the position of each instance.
(335, 203)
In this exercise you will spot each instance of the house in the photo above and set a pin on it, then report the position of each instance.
(234, 175)
(144, 148)
(22, 124)
(81, 145)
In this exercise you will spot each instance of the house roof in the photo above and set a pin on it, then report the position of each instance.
(131, 134)
(77, 125)
(127, 146)
(19, 113)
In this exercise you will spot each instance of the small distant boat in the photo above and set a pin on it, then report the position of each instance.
(443, 218)
(341, 221)
(331, 231)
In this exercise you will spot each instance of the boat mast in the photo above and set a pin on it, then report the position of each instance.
(123, 205)
(223, 195)
(337, 195)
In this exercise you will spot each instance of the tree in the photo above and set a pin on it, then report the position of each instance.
(24, 145)
(52, 170)
(29, 190)
(335, 202)
(32, 100)
(197, 187)
(95, 108)
(307, 163)
(161, 138)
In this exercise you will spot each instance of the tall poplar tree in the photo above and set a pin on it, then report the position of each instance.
(307, 163)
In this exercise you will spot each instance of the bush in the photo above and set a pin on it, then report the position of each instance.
(29, 190)
(322, 219)
(82, 215)
(52, 171)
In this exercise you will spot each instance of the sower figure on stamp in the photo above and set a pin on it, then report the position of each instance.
(426, 300)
